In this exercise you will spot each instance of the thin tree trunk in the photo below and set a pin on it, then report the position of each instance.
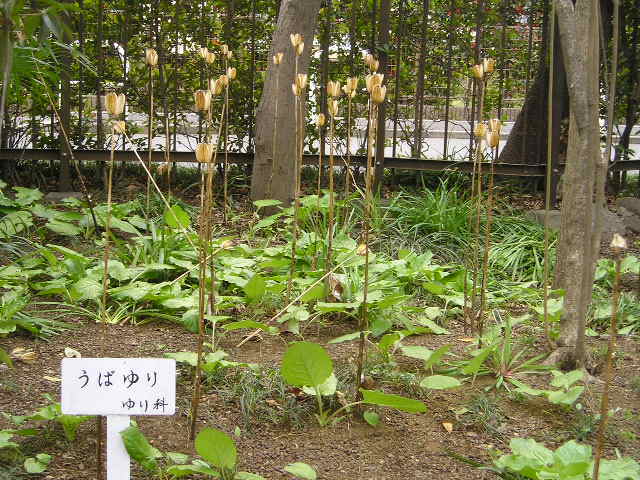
(296, 16)
(383, 39)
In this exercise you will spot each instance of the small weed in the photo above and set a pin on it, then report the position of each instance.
(635, 384)
(484, 415)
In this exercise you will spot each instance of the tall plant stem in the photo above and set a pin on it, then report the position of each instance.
(347, 165)
(332, 200)
(364, 318)
(205, 242)
(107, 234)
(487, 247)
(275, 133)
(475, 257)
(149, 137)
(608, 373)
(318, 193)
(547, 193)
(225, 180)
(296, 193)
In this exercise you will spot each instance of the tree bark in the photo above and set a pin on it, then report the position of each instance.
(383, 57)
(579, 234)
(296, 16)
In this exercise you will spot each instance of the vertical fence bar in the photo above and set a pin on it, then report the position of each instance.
(419, 108)
(445, 149)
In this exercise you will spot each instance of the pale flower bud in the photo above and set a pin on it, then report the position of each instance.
(488, 65)
(301, 80)
(204, 52)
(378, 93)
(321, 120)
(478, 71)
(277, 58)
(373, 80)
(229, 55)
(368, 59)
(300, 48)
(114, 103)
(332, 106)
(204, 152)
(215, 86)
(480, 131)
(493, 139)
(151, 57)
(618, 243)
(296, 89)
(375, 65)
(495, 125)
(223, 80)
(202, 99)
(210, 58)
(232, 73)
(119, 127)
(333, 88)
(296, 39)
(353, 83)
(225, 49)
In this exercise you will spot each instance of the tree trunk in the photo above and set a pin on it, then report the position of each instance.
(383, 41)
(296, 16)
(579, 234)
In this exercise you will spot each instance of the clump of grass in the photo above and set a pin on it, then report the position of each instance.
(484, 415)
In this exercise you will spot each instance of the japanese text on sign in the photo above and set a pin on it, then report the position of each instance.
(118, 386)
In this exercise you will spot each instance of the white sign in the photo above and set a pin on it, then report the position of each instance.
(118, 386)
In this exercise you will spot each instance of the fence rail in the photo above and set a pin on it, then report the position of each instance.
(399, 163)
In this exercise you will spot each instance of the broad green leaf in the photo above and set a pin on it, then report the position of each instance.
(319, 291)
(529, 448)
(433, 326)
(436, 356)
(573, 452)
(139, 448)
(177, 457)
(266, 203)
(349, 337)
(566, 398)
(14, 223)
(435, 288)
(620, 469)
(249, 324)
(565, 380)
(217, 448)
(6, 359)
(301, 470)
(440, 382)
(85, 289)
(372, 418)
(27, 196)
(326, 389)
(63, 228)
(374, 397)
(476, 362)
(37, 464)
(70, 424)
(306, 364)
(419, 352)
(5, 439)
(388, 342)
(176, 218)
(179, 471)
(255, 288)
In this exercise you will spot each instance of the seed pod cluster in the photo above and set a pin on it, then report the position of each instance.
(202, 99)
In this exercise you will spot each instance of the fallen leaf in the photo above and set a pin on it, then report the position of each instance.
(467, 339)
(23, 355)
(52, 379)
(71, 353)
(448, 426)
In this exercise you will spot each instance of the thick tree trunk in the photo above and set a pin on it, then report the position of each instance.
(579, 234)
(296, 16)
